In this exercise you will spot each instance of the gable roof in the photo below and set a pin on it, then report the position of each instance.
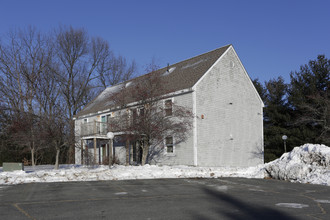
(179, 76)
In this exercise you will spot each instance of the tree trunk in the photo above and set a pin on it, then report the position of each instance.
(72, 141)
(32, 156)
(57, 158)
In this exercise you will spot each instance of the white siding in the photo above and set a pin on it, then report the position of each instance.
(231, 132)
(183, 153)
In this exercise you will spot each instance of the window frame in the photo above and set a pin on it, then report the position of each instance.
(141, 112)
(134, 115)
(103, 124)
(166, 108)
(166, 146)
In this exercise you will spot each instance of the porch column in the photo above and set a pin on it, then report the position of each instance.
(131, 153)
(95, 157)
(87, 161)
(127, 152)
(111, 152)
(110, 135)
(82, 151)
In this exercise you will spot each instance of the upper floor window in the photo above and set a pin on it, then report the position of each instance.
(168, 107)
(141, 112)
(103, 124)
(134, 115)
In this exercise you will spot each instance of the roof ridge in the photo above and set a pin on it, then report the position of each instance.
(203, 54)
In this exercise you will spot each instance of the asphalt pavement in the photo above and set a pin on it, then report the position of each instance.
(223, 198)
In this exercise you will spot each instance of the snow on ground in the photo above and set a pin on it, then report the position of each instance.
(119, 172)
(307, 164)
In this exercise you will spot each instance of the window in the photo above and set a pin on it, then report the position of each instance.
(168, 107)
(85, 120)
(134, 115)
(169, 145)
(141, 112)
(103, 124)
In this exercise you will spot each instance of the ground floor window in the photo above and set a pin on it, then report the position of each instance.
(169, 144)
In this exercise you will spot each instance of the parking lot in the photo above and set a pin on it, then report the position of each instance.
(223, 198)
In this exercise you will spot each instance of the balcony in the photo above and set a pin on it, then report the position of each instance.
(94, 128)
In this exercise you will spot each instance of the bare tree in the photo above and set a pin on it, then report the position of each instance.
(55, 132)
(149, 121)
(23, 59)
(113, 70)
(23, 129)
(54, 120)
(78, 58)
(82, 63)
(48, 79)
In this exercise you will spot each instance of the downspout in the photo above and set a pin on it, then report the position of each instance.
(262, 133)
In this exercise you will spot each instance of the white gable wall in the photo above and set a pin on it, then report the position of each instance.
(231, 133)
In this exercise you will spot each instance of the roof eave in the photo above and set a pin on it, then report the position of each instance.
(133, 104)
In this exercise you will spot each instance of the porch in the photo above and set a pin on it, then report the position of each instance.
(98, 151)
(95, 145)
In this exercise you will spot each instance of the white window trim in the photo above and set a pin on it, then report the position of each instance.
(165, 148)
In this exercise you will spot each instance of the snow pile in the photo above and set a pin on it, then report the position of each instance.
(309, 163)
(118, 172)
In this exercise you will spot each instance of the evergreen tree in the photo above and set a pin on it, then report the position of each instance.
(260, 89)
(310, 101)
(276, 118)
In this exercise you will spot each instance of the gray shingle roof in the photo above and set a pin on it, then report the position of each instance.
(179, 76)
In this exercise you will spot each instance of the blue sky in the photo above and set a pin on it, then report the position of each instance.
(272, 38)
